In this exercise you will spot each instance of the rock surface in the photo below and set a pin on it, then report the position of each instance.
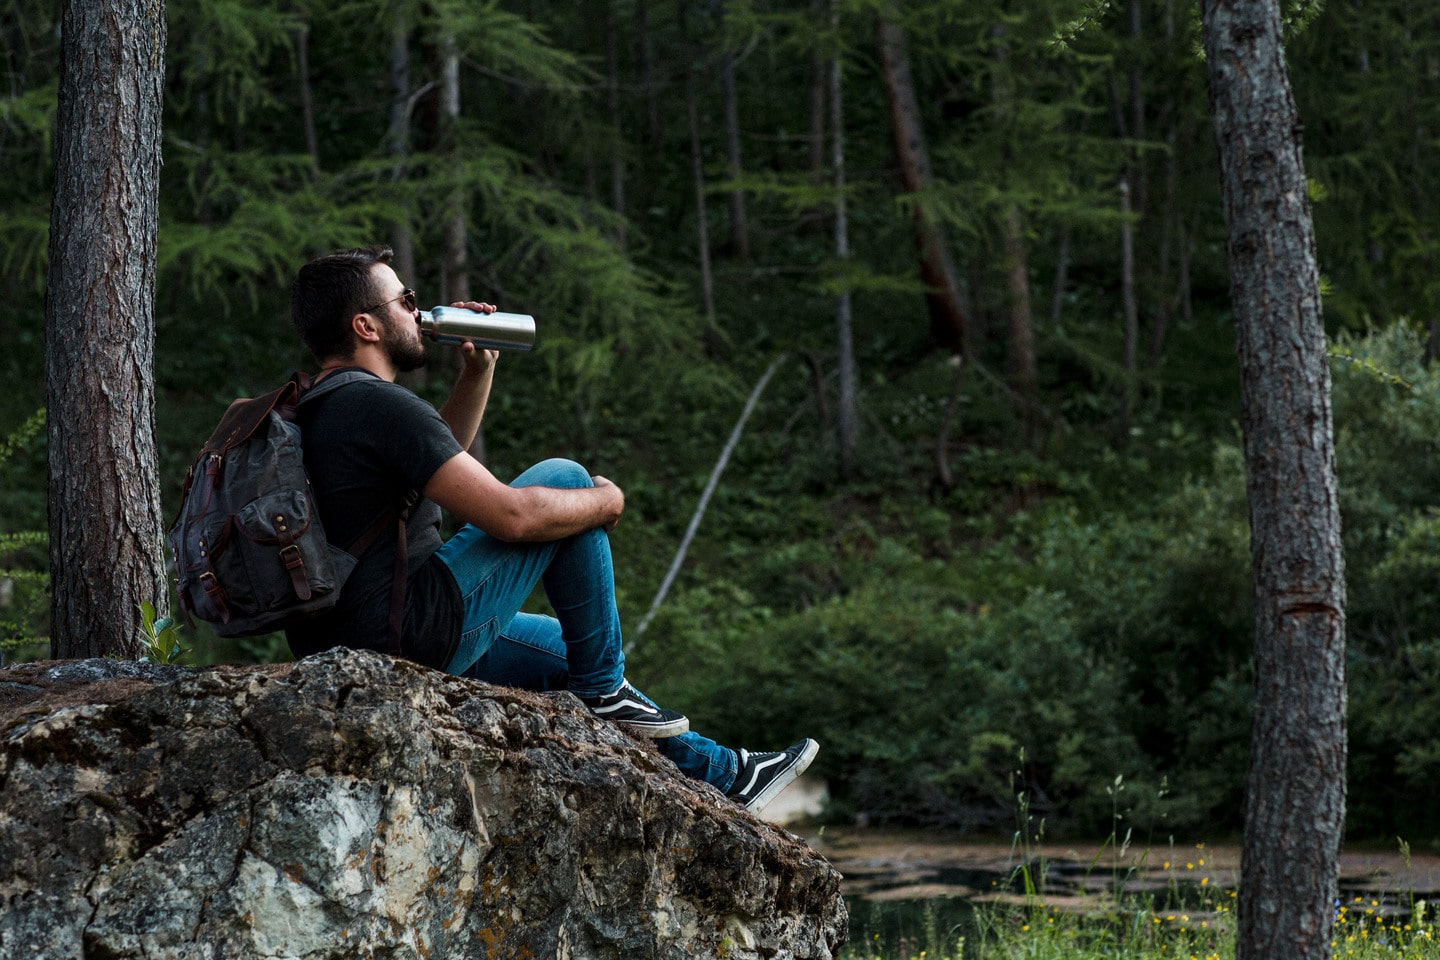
(354, 806)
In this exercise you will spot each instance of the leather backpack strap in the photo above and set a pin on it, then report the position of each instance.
(311, 388)
(244, 416)
(395, 623)
(400, 575)
(398, 581)
(362, 544)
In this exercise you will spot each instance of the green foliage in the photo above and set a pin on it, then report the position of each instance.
(1183, 916)
(920, 695)
(1373, 225)
(509, 43)
(1388, 446)
(159, 638)
(24, 580)
(225, 48)
(1084, 597)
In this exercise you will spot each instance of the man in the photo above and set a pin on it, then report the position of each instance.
(371, 445)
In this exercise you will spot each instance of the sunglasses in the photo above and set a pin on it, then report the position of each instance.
(407, 297)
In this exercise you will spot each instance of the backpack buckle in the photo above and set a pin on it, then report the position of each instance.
(294, 561)
(215, 594)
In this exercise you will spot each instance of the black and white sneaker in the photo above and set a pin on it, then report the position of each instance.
(629, 710)
(763, 775)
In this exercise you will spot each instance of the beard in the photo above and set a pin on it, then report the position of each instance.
(406, 354)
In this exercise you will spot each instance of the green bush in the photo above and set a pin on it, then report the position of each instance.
(24, 564)
(1387, 409)
(922, 698)
(927, 661)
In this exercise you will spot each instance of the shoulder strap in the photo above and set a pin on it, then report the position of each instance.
(245, 415)
(239, 423)
(332, 382)
(396, 517)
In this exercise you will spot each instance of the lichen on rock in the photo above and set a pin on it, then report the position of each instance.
(352, 805)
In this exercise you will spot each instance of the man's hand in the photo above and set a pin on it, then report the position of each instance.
(619, 497)
(477, 361)
(466, 406)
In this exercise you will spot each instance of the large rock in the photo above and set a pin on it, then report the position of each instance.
(354, 806)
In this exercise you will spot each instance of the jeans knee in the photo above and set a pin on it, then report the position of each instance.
(555, 472)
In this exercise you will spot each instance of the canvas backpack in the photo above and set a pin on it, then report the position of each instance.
(250, 552)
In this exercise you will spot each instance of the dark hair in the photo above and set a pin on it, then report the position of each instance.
(327, 292)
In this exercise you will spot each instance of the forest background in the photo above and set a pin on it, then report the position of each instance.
(985, 529)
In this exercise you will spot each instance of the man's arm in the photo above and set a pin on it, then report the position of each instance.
(465, 407)
(467, 489)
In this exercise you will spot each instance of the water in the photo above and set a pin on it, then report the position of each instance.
(898, 915)
(903, 928)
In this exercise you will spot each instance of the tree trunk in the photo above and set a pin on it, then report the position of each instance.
(1161, 326)
(1023, 367)
(1140, 197)
(816, 107)
(715, 473)
(612, 102)
(106, 553)
(697, 172)
(1062, 274)
(307, 105)
(822, 396)
(944, 476)
(1172, 220)
(739, 222)
(1129, 305)
(819, 80)
(848, 419)
(397, 143)
(943, 297)
(456, 264)
(1295, 792)
(1021, 322)
(647, 72)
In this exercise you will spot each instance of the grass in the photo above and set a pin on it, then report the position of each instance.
(1190, 921)
(1205, 931)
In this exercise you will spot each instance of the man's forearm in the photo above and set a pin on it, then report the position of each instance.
(472, 493)
(553, 513)
(465, 407)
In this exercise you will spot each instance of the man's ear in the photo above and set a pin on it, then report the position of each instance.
(365, 327)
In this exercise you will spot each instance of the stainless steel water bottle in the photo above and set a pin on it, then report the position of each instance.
(497, 331)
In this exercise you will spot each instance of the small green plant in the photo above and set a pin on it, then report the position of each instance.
(24, 581)
(161, 638)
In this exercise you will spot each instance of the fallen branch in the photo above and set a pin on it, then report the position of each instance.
(705, 497)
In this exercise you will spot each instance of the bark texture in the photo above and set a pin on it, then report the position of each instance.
(1023, 366)
(356, 806)
(105, 523)
(456, 266)
(397, 141)
(739, 220)
(947, 316)
(612, 103)
(848, 419)
(1295, 794)
(697, 175)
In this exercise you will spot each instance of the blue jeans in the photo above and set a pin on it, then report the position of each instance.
(578, 649)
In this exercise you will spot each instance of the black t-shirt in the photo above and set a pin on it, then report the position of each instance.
(367, 444)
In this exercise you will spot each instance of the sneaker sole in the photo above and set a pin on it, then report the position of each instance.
(784, 778)
(655, 731)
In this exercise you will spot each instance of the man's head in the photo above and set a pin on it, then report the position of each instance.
(338, 300)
